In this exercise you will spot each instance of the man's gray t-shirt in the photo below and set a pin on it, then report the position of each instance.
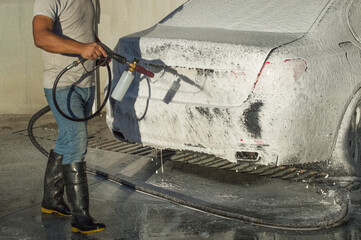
(73, 19)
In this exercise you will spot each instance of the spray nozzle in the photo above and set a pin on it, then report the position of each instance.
(134, 67)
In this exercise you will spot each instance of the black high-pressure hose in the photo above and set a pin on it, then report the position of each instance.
(74, 64)
(326, 223)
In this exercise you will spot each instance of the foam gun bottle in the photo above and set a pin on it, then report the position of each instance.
(124, 82)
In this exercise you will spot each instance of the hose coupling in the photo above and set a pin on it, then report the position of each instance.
(133, 65)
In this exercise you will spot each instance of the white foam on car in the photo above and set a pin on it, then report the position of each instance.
(294, 16)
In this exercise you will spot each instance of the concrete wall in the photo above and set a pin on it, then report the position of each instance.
(21, 90)
(20, 62)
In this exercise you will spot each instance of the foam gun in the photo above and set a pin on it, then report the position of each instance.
(127, 77)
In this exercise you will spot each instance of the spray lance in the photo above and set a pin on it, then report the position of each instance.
(119, 90)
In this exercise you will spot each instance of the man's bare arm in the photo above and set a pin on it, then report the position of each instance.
(45, 39)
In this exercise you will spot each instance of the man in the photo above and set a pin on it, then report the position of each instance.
(64, 29)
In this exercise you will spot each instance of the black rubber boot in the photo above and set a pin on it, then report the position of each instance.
(53, 201)
(78, 196)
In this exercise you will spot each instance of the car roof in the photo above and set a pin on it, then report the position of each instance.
(277, 16)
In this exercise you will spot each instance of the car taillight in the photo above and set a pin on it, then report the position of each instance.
(276, 77)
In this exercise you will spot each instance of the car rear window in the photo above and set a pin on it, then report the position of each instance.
(286, 16)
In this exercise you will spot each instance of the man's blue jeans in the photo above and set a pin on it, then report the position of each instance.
(72, 138)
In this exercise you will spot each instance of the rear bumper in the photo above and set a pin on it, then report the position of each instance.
(234, 133)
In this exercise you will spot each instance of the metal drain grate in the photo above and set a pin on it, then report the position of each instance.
(114, 145)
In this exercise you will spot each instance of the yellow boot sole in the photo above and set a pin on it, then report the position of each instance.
(76, 230)
(49, 211)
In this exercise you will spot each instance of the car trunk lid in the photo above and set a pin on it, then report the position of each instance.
(214, 67)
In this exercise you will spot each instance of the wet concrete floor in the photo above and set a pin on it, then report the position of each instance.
(130, 214)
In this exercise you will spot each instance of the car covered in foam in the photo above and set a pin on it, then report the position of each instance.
(267, 82)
